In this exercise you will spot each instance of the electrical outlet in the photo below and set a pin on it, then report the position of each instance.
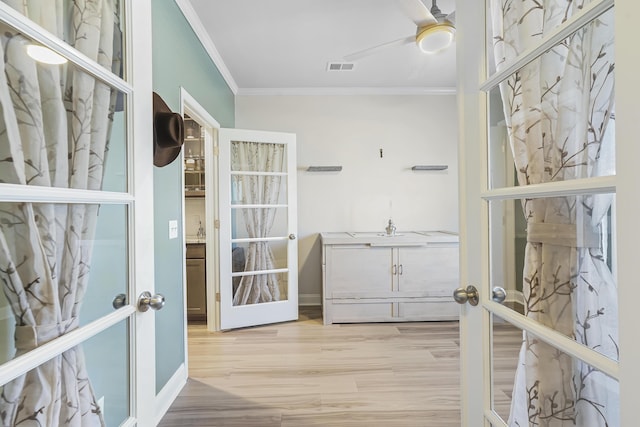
(173, 229)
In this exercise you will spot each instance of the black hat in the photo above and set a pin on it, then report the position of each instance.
(168, 133)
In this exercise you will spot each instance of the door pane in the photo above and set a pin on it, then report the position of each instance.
(557, 266)
(260, 288)
(96, 32)
(251, 223)
(506, 341)
(544, 386)
(247, 156)
(243, 252)
(557, 16)
(555, 116)
(241, 183)
(90, 379)
(45, 105)
(83, 272)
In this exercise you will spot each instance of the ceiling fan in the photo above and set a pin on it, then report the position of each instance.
(435, 30)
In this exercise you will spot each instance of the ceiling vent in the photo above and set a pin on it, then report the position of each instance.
(340, 66)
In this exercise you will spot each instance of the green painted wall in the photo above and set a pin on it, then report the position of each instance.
(179, 60)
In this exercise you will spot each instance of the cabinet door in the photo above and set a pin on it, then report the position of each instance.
(360, 271)
(196, 288)
(430, 271)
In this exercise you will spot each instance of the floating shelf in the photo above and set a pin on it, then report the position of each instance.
(324, 168)
(430, 167)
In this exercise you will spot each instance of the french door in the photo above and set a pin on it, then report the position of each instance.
(76, 211)
(548, 278)
(258, 228)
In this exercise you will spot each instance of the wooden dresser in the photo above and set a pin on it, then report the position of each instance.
(371, 277)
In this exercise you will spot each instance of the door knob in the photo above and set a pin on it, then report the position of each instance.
(147, 301)
(468, 294)
(119, 301)
(498, 294)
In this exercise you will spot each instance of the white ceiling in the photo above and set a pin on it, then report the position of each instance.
(284, 46)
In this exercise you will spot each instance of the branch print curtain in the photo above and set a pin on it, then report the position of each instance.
(559, 112)
(261, 190)
(54, 132)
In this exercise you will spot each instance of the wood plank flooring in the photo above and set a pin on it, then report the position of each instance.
(302, 373)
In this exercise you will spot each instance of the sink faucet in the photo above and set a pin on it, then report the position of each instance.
(200, 234)
(390, 228)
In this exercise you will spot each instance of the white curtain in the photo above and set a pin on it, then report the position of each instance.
(559, 111)
(54, 132)
(261, 190)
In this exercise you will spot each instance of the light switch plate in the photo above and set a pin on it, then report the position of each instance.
(173, 229)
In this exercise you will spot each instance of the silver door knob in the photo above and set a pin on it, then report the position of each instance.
(147, 301)
(119, 301)
(292, 236)
(468, 294)
(498, 295)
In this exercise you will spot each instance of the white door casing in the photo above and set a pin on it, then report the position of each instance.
(476, 363)
(233, 206)
(193, 108)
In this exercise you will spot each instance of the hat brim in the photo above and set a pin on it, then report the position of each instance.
(167, 143)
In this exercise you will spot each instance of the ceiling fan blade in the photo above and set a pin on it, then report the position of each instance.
(376, 49)
(451, 18)
(417, 11)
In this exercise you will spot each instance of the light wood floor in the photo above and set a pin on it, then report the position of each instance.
(302, 374)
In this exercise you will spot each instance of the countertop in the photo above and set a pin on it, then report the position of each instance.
(193, 240)
(374, 238)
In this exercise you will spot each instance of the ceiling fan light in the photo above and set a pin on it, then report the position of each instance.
(44, 55)
(435, 38)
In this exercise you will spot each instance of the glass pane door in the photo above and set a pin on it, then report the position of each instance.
(258, 229)
(551, 123)
(68, 215)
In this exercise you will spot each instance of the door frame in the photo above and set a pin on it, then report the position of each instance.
(191, 106)
(472, 105)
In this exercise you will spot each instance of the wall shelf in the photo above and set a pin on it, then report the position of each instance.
(324, 168)
(430, 167)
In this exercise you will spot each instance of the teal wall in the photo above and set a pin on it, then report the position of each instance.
(179, 60)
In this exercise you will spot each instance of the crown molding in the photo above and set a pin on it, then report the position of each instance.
(196, 24)
(286, 91)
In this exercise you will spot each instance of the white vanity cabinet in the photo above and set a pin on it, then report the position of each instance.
(371, 277)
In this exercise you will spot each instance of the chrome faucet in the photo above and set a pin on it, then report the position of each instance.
(200, 234)
(390, 228)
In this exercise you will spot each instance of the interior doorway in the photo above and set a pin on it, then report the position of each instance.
(200, 219)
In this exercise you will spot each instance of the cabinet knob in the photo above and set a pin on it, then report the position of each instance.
(292, 236)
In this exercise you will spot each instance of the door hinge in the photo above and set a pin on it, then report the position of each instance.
(216, 224)
(217, 296)
(216, 151)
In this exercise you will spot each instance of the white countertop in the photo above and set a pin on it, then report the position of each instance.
(382, 239)
(195, 240)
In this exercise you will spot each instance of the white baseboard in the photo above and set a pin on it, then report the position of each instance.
(309, 299)
(515, 296)
(169, 392)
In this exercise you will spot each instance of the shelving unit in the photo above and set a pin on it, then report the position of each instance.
(194, 167)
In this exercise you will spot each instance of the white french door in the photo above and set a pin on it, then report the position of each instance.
(76, 210)
(559, 350)
(258, 228)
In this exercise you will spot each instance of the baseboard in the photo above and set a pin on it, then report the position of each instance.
(309, 299)
(515, 300)
(170, 391)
